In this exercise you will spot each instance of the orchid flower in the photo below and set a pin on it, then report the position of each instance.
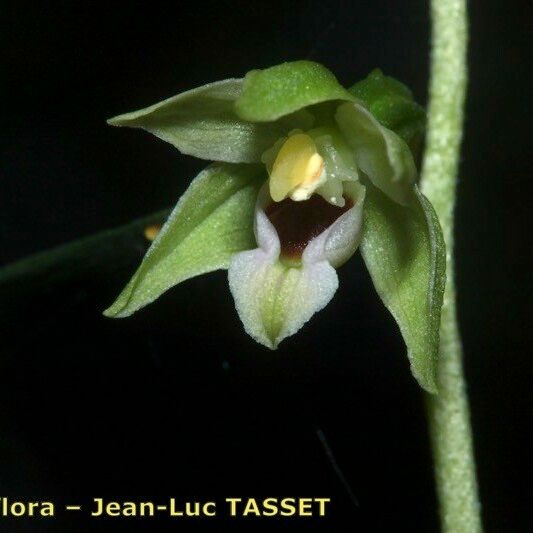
(305, 171)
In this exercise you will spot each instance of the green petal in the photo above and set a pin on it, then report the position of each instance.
(392, 103)
(278, 91)
(203, 123)
(383, 156)
(404, 251)
(212, 221)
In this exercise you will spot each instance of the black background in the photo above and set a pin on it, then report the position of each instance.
(177, 401)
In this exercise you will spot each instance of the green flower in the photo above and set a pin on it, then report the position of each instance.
(305, 171)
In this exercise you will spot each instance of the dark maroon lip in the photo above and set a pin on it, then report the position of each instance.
(297, 223)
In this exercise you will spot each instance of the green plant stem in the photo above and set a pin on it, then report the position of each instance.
(448, 412)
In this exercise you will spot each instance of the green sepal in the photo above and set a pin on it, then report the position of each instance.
(210, 223)
(274, 92)
(405, 254)
(202, 122)
(392, 103)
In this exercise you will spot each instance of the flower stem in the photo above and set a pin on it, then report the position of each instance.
(448, 412)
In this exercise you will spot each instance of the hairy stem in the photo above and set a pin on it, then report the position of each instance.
(448, 412)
